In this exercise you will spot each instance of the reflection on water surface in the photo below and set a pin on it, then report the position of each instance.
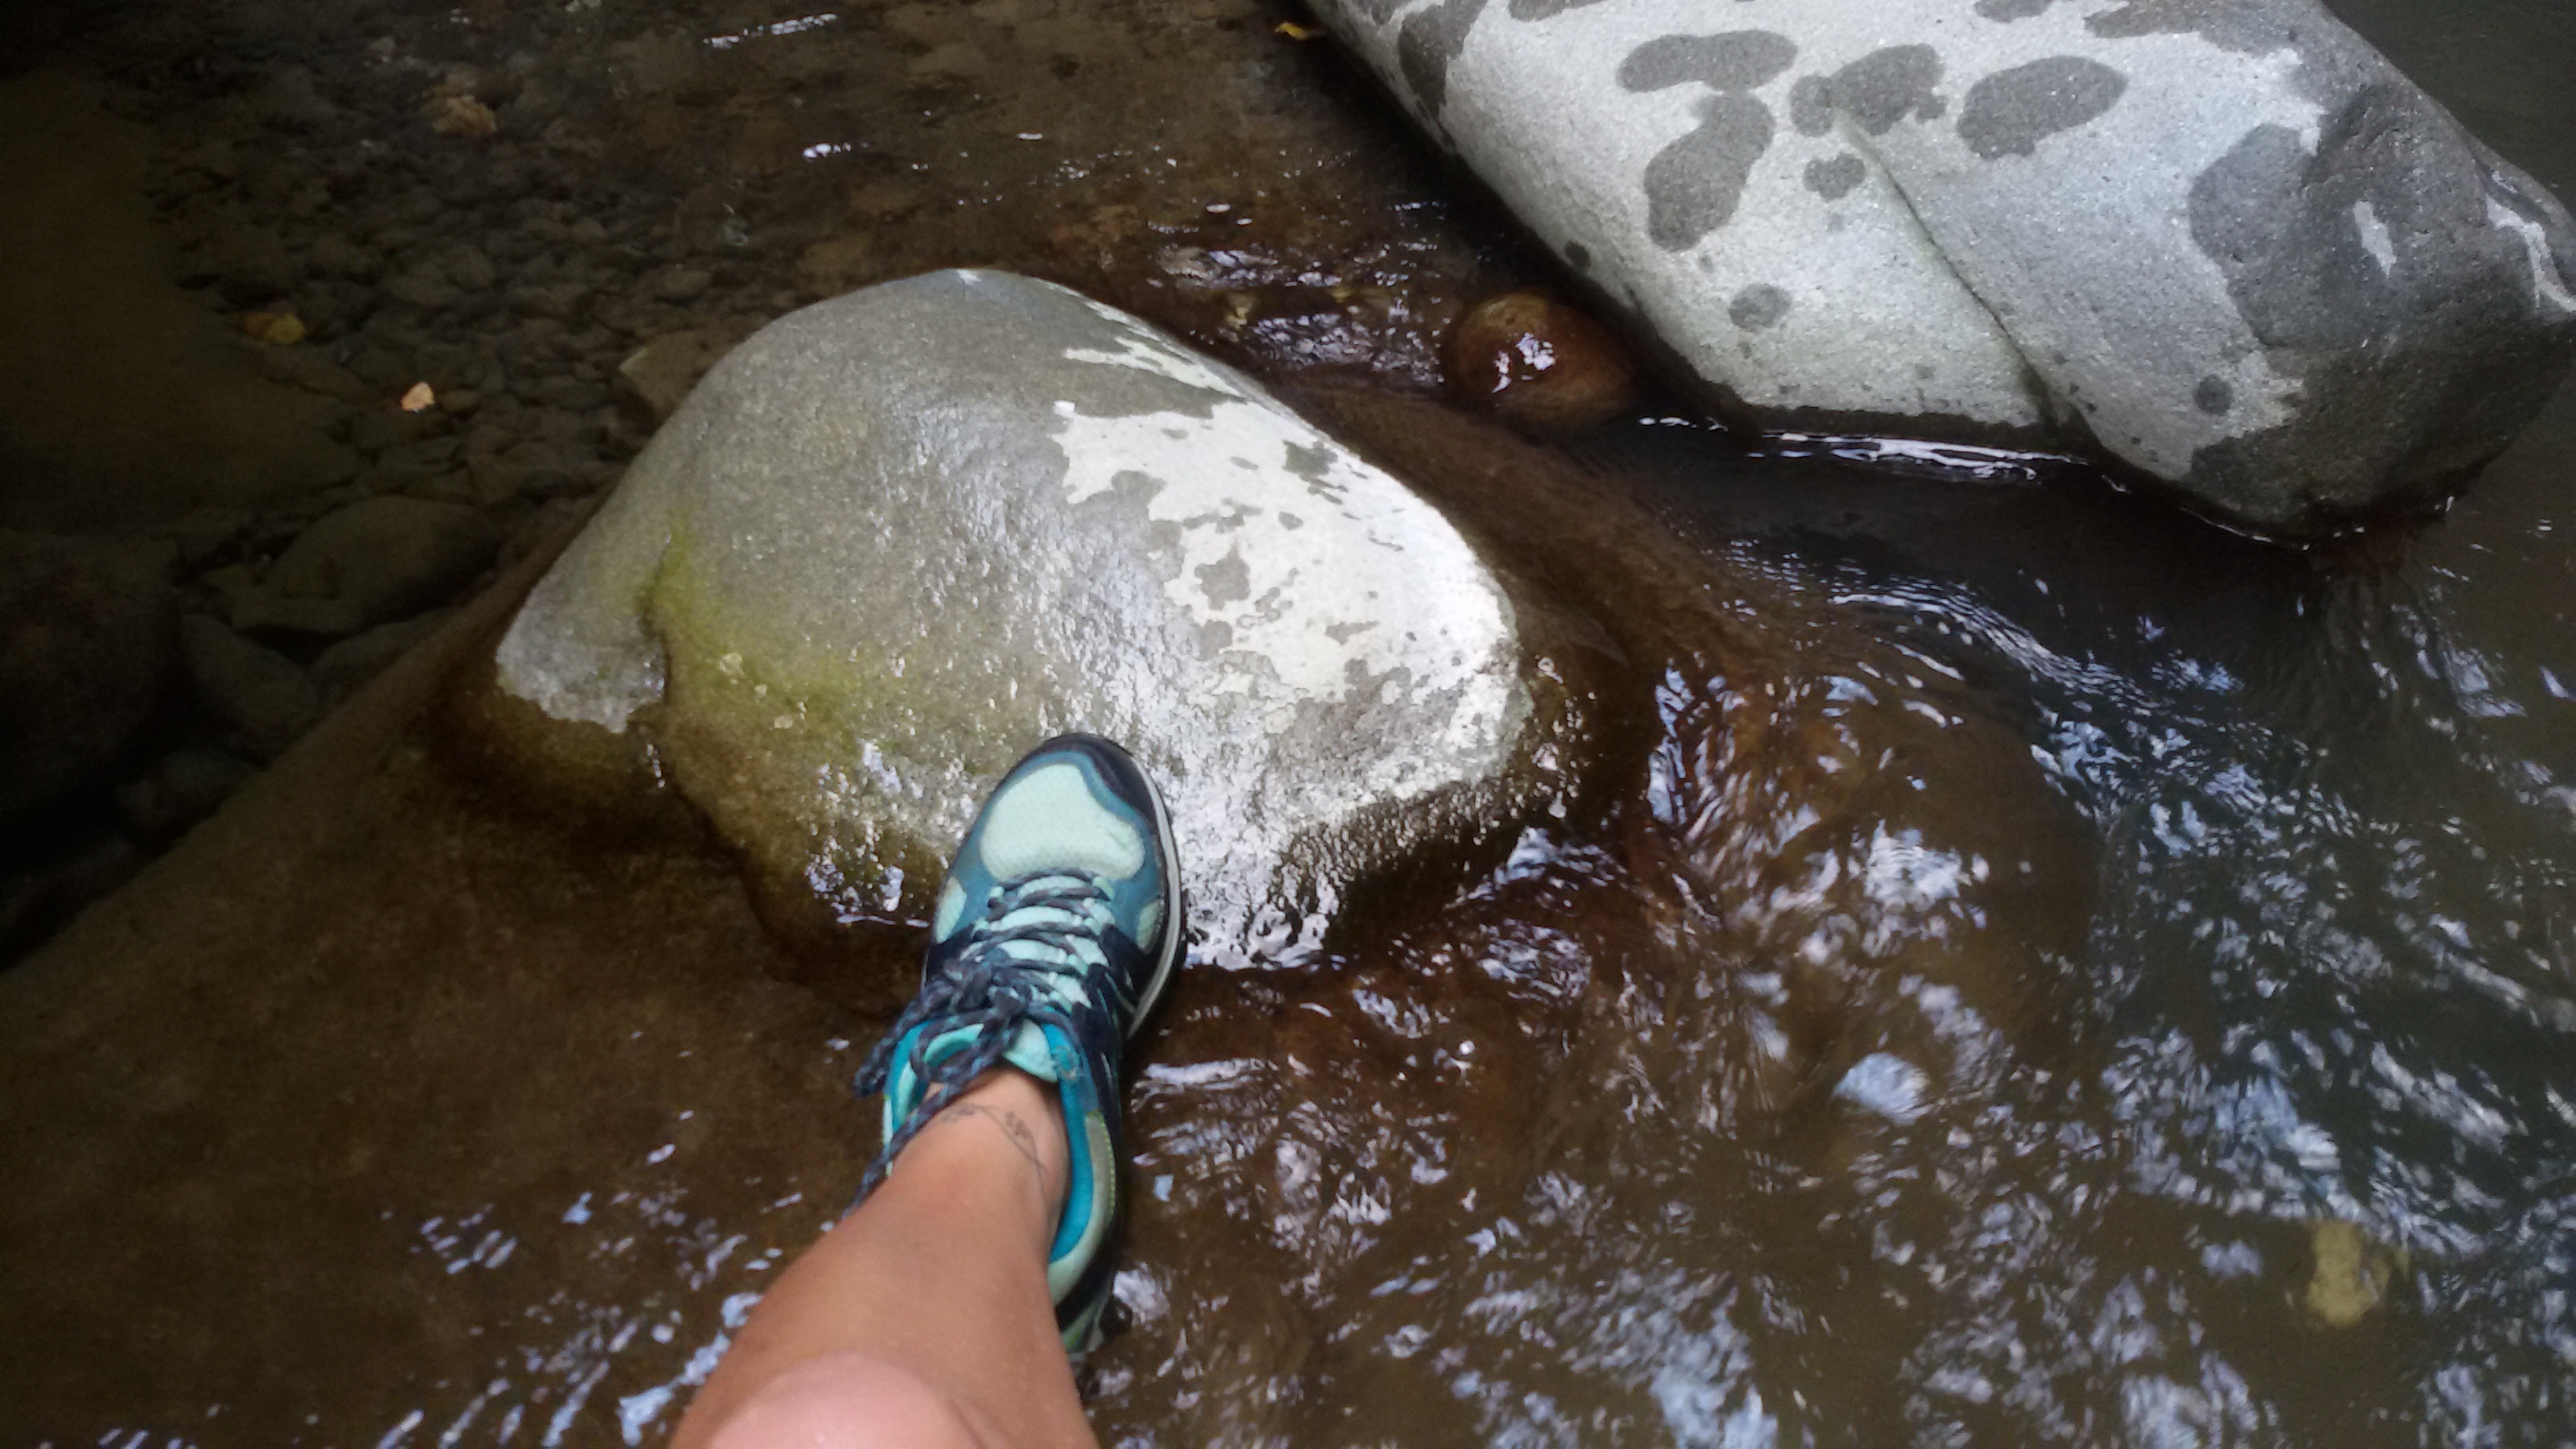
(2099, 991)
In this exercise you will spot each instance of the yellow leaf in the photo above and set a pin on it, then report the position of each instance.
(1295, 31)
(464, 116)
(420, 399)
(282, 329)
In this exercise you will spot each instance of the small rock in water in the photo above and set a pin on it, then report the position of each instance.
(202, 535)
(260, 695)
(385, 558)
(314, 371)
(287, 97)
(959, 61)
(253, 264)
(656, 61)
(655, 378)
(1538, 361)
(342, 669)
(836, 264)
(385, 370)
(424, 286)
(382, 429)
(181, 789)
(556, 301)
(334, 255)
(215, 158)
(255, 610)
(884, 200)
(931, 25)
(469, 269)
(678, 285)
(278, 329)
(532, 469)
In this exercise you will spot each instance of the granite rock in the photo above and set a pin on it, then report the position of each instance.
(2224, 246)
(897, 538)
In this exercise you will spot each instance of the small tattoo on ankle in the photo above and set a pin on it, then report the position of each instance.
(1010, 1124)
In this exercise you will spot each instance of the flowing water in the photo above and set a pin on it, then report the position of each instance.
(2020, 965)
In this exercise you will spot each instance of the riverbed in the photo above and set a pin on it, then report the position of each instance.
(2019, 964)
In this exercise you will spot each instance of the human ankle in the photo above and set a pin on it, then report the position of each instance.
(1007, 1129)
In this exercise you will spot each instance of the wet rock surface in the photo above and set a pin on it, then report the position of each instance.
(896, 539)
(2231, 249)
(1536, 360)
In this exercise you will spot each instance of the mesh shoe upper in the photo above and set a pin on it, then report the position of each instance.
(1054, 934)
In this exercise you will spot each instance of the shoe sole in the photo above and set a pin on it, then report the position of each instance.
(1175, 904)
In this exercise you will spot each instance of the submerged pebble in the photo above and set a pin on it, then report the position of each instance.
(1539, 361)
(262, 697)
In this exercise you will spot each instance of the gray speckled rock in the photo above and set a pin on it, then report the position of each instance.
(896, 538)
(2220, 241)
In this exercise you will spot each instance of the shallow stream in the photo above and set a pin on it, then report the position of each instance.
(2025, 966)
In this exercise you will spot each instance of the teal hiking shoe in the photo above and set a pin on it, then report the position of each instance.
(1055, 933)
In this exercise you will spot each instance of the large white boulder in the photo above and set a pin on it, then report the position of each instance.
(897, 538)
(2220, 242)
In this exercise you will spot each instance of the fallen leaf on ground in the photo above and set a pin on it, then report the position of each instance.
(284, 329)
(460, 116)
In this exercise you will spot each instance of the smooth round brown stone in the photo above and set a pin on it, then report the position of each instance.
(1536, 360)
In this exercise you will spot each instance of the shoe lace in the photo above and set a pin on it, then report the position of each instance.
(1039, 933)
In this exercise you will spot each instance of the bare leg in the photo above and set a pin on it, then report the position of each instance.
(922, 1318)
